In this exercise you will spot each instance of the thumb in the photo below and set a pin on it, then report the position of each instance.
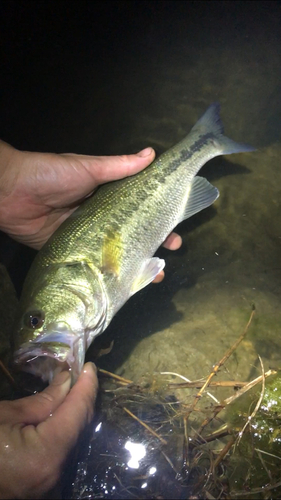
(74, 413)
(37, 408)
(110, 168)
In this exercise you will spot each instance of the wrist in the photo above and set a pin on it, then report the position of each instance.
(7, 154)
(9, 159)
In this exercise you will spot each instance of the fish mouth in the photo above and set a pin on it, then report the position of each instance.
(50, 354)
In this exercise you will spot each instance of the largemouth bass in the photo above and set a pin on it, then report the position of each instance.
(103, 253)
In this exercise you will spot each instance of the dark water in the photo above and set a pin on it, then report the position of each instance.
(114, 77)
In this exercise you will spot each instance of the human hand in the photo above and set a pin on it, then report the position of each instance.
(40, 190)
(37, 433)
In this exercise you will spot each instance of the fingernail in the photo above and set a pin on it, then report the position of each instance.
(145, 152)
(93, 366)
(61, 378)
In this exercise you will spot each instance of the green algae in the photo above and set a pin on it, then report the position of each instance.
(256, 461)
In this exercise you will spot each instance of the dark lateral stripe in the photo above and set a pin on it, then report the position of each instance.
(186, 154)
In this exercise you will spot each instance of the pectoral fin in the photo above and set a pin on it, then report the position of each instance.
(202, 194)
(149, 271)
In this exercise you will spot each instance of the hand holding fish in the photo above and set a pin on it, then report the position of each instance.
(104, 252)
(101, 256)
(37, 433)
(40, 190)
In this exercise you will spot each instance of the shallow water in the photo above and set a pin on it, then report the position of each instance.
(116, 77)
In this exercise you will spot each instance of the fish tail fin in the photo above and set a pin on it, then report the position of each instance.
(210, 123)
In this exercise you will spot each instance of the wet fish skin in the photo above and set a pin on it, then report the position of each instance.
(103, 253)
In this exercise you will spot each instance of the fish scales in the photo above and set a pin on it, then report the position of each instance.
(161, 182)
(103, 253)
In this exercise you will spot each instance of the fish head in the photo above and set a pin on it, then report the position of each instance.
(55, 327)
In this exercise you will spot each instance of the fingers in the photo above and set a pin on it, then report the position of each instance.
(35, 454)
(159, 277)
(110, 168)
(62, 429)
(173, 242)
(35, 409)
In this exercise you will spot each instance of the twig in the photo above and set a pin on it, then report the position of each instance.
(229, 400)
(254, 491)
(226, 383)
(264, 466)
(208, 420)
(145, 425)
(176, 375)
(117, 377)
(208, 495)
(8, 375)
(185, 444)
(125, 489)
(219, 434)
(224, 452)
(248, 386)
(269, 454)
(187, 383)
(169, 461)
(215, 370)
(257, 405)
(221, 362)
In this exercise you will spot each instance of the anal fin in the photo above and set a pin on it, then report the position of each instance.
(201, 195)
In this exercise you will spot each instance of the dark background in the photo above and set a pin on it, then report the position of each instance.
(84, 77)
(104, 77)
(76, 75)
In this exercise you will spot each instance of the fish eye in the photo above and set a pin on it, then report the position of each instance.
(34, 319)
